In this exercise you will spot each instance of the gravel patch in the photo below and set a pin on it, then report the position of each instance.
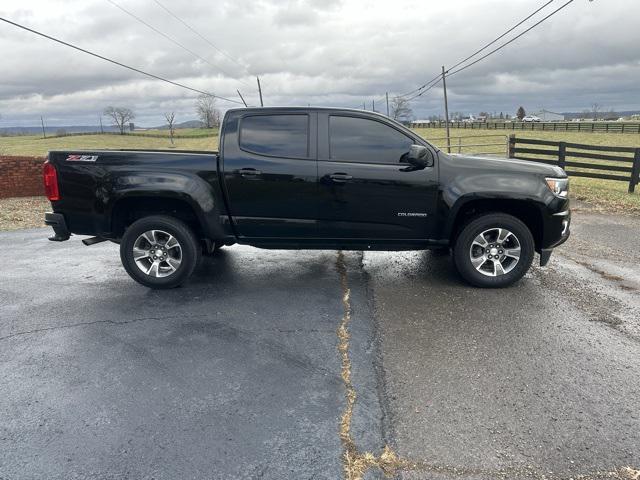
(22, 212)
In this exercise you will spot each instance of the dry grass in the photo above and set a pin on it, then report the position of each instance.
(38, 146)
(24, 212)
(610, 139)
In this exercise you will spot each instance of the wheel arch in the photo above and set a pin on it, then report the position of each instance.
(528, 212)
(129, 208)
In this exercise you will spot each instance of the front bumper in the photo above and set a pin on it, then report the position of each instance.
(59, 225)
(560, 225)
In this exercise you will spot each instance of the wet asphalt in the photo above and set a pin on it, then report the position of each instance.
(238, 374)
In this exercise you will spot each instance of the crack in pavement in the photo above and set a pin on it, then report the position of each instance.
(276, 348)
(356, 464)
(82, 324)
(144, 319)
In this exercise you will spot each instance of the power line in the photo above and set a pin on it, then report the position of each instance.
(62, 42)
(502, 36)
(428, 86)
(437, 79)
(172, 40)
(512, 40)
(420, 87)
(199, 34)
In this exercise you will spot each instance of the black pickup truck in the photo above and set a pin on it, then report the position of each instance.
(309, 178)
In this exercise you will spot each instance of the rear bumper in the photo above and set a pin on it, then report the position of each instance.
(59, 225)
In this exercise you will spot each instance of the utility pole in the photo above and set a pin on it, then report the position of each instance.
(364, 105)
(387, 96)
(44, 135)
(242, 98)
(446, 108)
(373, 105)
(101, 129)
(260, 92)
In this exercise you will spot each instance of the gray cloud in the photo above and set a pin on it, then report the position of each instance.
(319, 52)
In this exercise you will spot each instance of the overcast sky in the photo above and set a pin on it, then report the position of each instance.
(325, 52)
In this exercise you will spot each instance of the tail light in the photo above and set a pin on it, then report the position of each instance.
(50, 177)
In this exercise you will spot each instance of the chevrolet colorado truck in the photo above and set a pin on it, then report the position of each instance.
(309, 178)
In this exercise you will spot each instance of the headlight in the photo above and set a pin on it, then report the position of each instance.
(559, 186)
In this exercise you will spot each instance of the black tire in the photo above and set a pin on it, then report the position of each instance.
(462, 252)
(188, 245)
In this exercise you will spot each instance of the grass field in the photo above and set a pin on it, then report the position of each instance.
(34, 145)
(610, 139)
(601, 194)
(183, 132)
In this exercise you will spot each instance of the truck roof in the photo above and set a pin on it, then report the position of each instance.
(306, 109)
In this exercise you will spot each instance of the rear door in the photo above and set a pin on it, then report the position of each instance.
(270, 172)
(367, 188)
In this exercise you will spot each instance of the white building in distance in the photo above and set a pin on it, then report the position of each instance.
(547, 116)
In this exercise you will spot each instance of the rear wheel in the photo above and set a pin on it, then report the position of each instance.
(159, 251)
(494, 250)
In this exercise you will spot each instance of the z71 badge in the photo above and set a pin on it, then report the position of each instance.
(82, 158)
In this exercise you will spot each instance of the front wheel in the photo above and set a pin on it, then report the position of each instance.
(494, 250)
(159, 251)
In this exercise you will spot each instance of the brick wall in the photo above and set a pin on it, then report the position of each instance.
(20, 176)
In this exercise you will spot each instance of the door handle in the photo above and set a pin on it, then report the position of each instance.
(340, 177)
(249, 172)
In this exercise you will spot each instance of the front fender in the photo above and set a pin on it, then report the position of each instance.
(504, 190)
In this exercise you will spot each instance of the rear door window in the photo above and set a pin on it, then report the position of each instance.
(284, 135)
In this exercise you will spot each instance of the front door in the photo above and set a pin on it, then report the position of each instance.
(367, 188)
(270, 172)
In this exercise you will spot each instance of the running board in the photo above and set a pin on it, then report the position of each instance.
(93, 240)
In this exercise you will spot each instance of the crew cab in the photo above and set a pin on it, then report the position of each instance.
(309, 178)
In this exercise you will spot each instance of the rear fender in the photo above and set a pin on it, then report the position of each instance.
(187, 188)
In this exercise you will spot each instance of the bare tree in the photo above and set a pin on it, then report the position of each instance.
(400, 109)
(595, 110)
(207, 111)
(120, 116)
(521, 113)
(170, 118)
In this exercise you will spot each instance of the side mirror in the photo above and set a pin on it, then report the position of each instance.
(420, 156)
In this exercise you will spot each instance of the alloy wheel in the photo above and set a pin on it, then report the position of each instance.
(495, 252)
(157, 253)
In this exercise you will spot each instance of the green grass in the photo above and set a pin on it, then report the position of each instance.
(183, 132)
(610, 139)
(38, 146)
(600, 194)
